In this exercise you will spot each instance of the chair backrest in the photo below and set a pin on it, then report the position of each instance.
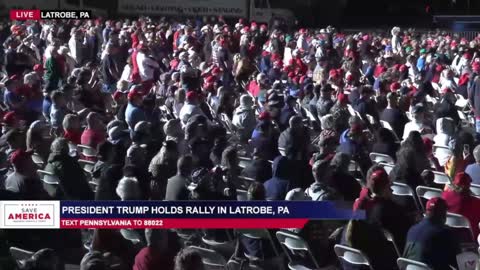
(292, 244)
(242, 195)
(388, 167)
(243, 162)
(86, 165)
(351, 256)
(370, 119)
(48, 177)
(38, 160)
(441, 178)
(390, 239)
(19, 254)
(475, 189)
(457, 221)
(401, 189)
(406, 264)
(351, 110)
(381, 158)
(426, 193)
(87, 151)
(405, 197)
(210, 258)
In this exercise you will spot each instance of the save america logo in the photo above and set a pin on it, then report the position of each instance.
(29, 214)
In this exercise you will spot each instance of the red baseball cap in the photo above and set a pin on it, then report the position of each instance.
(264, 116)
(38, 67)
(395, 86)
(19, 157)
(191, 95)
(378, 179)
(10, 118)
(435, 204)
(133, 94)
(342, 98)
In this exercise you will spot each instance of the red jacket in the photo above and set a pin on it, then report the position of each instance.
(466, 205)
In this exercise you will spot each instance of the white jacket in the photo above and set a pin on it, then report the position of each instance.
(146, 66)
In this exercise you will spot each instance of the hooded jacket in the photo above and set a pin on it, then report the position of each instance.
(244, 120)
(276, 188)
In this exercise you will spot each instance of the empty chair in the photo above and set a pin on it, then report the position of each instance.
(50, 182)
(298, 252)
(381, 158)
(351, 256)
(210, 258)
(406, 264)
(426, 193)
(475, 189)
(87, 151)
(404, 196)
(38, 160)
(441, 178)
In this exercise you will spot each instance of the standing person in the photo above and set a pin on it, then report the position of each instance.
(53, 70)
(431, 241)
(177, 185)
(190, 108)
(134, 112)
(110, 70)
(76, 46)
(95, 132)
(325, 102)
(73, 184)
(393, 115)
(58, 111)
(277, 187)
(146, 66)
(244, 117)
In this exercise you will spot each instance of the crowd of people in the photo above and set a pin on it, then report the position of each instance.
(158, 109)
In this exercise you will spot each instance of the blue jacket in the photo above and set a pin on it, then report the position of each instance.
(276, 188)
(133, 115)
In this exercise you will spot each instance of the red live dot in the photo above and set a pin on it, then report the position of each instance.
(24, 14)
